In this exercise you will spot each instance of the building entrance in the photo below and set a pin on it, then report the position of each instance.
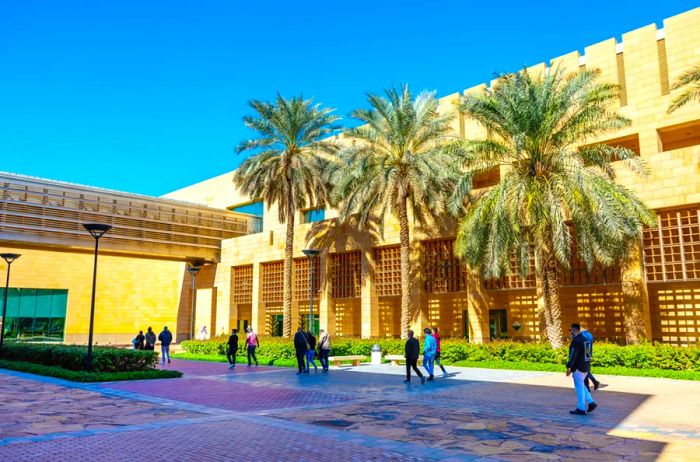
(498, 324)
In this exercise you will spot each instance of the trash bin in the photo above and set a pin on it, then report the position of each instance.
(376, 354)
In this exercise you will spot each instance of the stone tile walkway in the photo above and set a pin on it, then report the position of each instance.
(362, 414)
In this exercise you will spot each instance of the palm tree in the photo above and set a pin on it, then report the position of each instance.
(288, 158)
(553, 190)
(398, 162)
(689, 81)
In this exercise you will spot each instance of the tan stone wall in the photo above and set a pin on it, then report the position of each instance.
(132, 293)
(674, 179)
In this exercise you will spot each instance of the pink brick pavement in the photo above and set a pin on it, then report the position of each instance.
(230, 395)
(221, 441)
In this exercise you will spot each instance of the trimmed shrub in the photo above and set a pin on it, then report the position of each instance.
(283, 348)
(646, 355)
(83, 376)
(72, 357)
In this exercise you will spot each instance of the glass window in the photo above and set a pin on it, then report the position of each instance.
(35, 314)
(255, 209)
(313, 215)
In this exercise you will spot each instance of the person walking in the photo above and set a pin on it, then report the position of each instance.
(311, 352)
(436, 336)
(579, 365)
(252, 342)
(324, 349)
(150, 338)
(138, 341)
(165, 338)
(232, 349)
(429, 353)
(203, 334)
(412, 350)
(301, 346)
(589, 377)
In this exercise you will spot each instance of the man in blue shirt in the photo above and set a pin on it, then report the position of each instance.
(579, 366)
(429, 349)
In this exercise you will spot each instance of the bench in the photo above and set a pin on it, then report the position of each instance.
(396, 358)
(336, 360)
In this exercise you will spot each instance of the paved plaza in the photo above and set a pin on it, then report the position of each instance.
(364, 413)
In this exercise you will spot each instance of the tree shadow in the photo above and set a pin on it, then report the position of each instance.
(482, 417)
(335, 235)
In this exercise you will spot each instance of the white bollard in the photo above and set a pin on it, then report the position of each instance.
(376, 355)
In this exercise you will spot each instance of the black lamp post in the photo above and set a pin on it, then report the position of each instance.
(97, 230)
(311, 253)
(193, 270)
(9, 258)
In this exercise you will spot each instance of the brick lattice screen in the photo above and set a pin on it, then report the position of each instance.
(242, 284)
(272, 281)
(346, 274)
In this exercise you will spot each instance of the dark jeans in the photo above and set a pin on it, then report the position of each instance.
(251, 354)
(412, 363)
(301, 356)
(231, 356)
(323, 357)
(439, 363)
(150, 347)
(589, 377)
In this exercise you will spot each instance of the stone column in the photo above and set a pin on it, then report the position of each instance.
(635, 298)
(257, 317)
(419, 302)
(369, 316)
(326, 314)
(223, 301)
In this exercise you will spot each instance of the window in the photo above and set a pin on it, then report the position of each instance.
(35, 314)
(255, 210)
(487, 178)
(314, 215)
(630, 142)
(680, 136)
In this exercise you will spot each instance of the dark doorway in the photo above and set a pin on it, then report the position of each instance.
(498, 324)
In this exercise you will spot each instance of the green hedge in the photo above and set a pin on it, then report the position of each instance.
(648, 355)
(72, 357)
(83, 376)
(283, 348)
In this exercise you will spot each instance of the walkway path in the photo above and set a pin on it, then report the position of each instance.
(362, 414)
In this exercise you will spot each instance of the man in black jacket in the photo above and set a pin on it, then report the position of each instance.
(232, 348)
(300, 347)
(412, 353)
(579, 366)
(166, 338)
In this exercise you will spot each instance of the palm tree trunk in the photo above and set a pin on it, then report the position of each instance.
(541, 293)
(552, 306)
(404, 239)
(287, 287)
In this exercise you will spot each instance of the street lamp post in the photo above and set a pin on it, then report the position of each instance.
(9, 258)
(97, 230)
(193, 270)
(311, 253)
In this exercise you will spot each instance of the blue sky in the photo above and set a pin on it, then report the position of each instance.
(147, 96)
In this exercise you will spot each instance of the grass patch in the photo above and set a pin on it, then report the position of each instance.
(82, 376)
(614, 370)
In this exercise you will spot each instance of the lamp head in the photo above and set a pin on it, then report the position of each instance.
(10, 257)
(97, 229)
(311, 252)
(193, 270)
